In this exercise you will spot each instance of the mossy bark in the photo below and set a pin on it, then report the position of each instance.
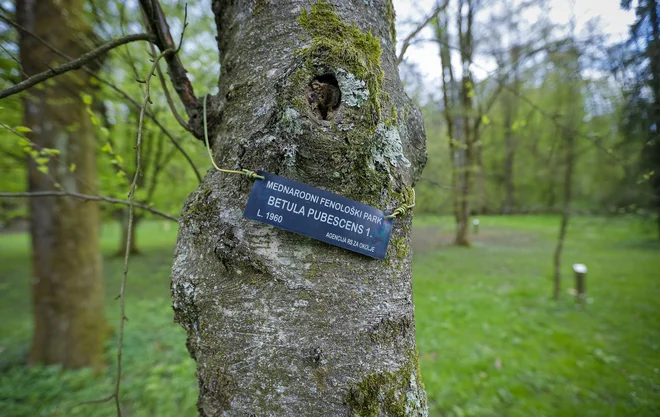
(67, 289)
(280, 324)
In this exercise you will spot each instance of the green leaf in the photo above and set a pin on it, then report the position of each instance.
(42, 168)
(106, 148)
(41, 160)
(50, 151)
(22, 129)
(485, 120)
(86, 98)
(72, 167)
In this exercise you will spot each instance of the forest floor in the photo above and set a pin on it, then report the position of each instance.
(491, 341)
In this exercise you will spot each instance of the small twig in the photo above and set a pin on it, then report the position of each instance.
(20, 67)
(131, 200)
(157, 24)
(407, 41)
(111, 200)
(161, 77)
(75, 64)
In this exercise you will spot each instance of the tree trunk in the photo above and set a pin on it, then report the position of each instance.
(449, 102)
(67, 290)
(510, 115)
(281, 324)
(566, 212)
(465, 19)
(654, 59)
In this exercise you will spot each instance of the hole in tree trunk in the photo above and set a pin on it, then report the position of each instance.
(324, 96)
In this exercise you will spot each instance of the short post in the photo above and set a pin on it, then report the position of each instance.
(475, 226)
(580, 283)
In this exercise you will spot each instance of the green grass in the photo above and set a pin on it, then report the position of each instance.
(492, 343)
(158, 374)
(490, 340)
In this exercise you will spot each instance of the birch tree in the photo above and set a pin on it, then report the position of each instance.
(280, 324)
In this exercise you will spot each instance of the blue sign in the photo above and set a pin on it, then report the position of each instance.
(322, 215)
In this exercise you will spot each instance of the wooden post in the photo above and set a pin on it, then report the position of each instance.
(475, 226)
(580, 283)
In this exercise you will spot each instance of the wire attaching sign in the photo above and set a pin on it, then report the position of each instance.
(319, 214)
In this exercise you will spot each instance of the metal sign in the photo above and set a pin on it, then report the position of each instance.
(319, 214)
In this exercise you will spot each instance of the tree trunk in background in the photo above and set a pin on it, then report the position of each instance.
(449, 103)
(67, 289)
(122, 219)
(510, 115)
(280, 324)
(654, 58)
(570, 102)
(569, 138)
(481, 179)
(466, 94)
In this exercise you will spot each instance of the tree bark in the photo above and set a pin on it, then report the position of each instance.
(67, 291)
(279, 324)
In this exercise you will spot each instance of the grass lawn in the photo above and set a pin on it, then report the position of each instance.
(491, 342)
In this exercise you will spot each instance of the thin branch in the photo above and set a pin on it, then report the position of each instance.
(131, 200)
(75, 64)
(153, 117)
(166, 91)
(20, 67)
(407, 41)
(158, 26)
(112, 86)
(111, 200)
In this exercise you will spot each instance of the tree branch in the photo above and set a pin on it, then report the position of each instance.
(112, 86)
(166, 92)
(75, 64)
(157, 24)
(111, 200)
(407, 41)
(131, 200)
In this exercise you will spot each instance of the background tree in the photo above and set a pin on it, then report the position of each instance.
(70, 328)
(643, 111)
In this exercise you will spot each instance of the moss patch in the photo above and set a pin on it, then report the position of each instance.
(394, 394)
(391, 18)
(340, 45)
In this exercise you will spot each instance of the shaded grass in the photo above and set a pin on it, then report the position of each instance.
(491, 342)
(158, 374)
